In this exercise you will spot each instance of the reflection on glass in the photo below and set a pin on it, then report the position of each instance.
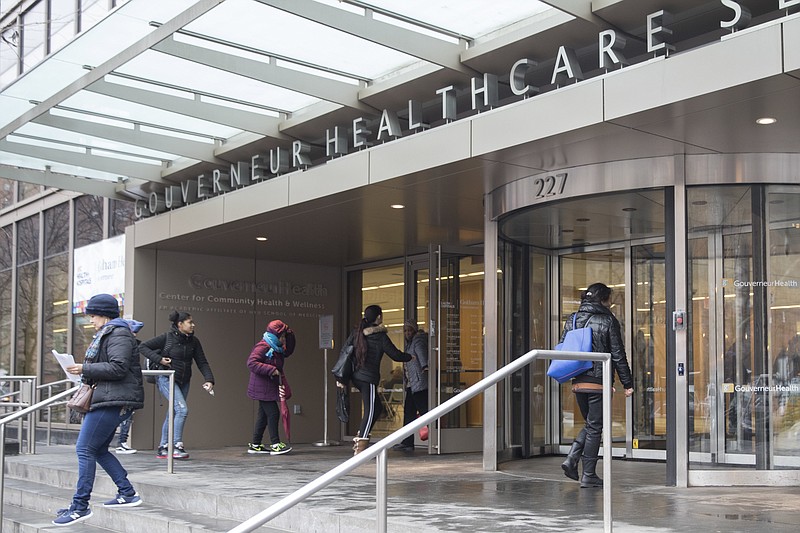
(724, 405)
(648, 353)
(88, 220)
(122, 216)
(33, 44)
(56, 308)
(27, 190)
(702, 392)
(6, 192)
(784, 322)
(6, 337)
(461, 337)
(27, 323)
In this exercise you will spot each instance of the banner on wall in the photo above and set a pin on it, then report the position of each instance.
(99, 268)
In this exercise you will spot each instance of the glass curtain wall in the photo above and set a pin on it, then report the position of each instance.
(88, 230)
(745, 327)
(6, 193)
(55, 294)
(783, 264)
(27, 312)
(648, 351)
(6, 288)
(525, 298)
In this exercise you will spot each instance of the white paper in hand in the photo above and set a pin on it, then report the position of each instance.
(66, 360)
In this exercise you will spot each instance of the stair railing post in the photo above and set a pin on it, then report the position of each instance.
(381, 477)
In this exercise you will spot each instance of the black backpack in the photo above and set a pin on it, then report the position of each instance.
(164, 352)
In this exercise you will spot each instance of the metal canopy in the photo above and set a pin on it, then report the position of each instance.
(157, 89)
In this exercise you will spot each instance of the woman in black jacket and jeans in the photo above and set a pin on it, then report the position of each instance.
(371, 342)
(595, 312)
(111, 366)
(175, 350)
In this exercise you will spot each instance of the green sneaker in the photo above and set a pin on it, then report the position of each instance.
(257, 448)
(279, 449)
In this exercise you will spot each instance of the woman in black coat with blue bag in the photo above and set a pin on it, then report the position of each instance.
(595, 312)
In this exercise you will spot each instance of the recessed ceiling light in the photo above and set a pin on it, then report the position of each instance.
(261, 239)
(765, 121)
(397, 206)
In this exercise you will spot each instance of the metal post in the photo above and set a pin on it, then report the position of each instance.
(381, 505)
(325, 411)
(607, 522)
(325, 441)
(171, 424)
(31, 421)
(2, 470)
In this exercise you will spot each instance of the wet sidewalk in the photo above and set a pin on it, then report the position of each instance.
(453, 493)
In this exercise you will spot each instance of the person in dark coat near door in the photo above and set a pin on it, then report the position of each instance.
(595, 312)
(370, 342)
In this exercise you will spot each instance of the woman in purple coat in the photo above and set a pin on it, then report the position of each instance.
(267, 385)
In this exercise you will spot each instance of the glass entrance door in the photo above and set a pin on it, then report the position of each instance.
(446, 297)
(744, 389)
(637, 275)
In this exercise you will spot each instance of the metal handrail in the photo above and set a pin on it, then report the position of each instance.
(10, 418)
(379, 449)
(29, 411)
(49, 387)
(170, 410)
(21, 403)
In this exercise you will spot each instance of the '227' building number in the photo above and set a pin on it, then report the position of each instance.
(550, 185)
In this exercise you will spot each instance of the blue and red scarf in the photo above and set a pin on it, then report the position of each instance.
(274, 343)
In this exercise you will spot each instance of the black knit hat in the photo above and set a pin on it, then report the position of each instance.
(103, 305)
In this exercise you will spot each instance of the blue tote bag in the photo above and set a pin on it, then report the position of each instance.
(576, 340)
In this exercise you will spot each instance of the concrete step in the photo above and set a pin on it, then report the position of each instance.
(231, 491)
(153, 516)
(19, 520)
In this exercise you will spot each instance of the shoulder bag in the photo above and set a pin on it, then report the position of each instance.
(343, 369)
(81, 401)
(164, 352)
(576, 340)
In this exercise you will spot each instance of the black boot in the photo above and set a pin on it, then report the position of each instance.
(590, 450)
(570, 465)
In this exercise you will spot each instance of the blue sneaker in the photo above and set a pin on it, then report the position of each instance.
(68, 517)
(124, 501)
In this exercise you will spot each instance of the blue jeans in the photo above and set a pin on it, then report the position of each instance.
(97, 432)
(181, 409)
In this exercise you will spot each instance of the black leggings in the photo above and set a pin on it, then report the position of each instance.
(268, 416)
(372, 406)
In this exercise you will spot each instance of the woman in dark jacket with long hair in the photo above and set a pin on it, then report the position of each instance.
(595, 312)
(175, 350)
(371, 342)
(112, 366)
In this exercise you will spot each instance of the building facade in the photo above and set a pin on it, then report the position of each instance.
(475, 186)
